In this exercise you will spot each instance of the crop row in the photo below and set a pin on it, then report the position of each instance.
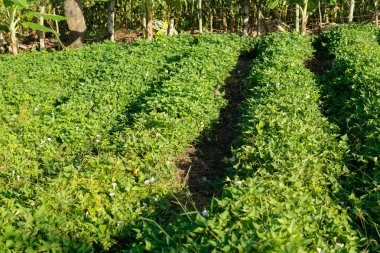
(57, 110)
(286, 195)
(352, 99)
(56, 114)
(87, 147)
(73, 101)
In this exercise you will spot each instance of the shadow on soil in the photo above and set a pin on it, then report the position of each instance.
(202, 167)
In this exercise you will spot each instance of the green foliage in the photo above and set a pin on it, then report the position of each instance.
(12, 21)
(21, 4)
(58, 122)
(352, 98)
(88, 147)
(33, 14)
(286, 196)
(312, 5)
(331, 42)
(37, 27)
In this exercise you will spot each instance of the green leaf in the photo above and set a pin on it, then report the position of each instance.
(22, 4)
(4, 27)
(102, 228)
(312, 6)
(173, 3)
(37, 27)
(45, 16)
(148, 245)
(259, 127)
(273, 4)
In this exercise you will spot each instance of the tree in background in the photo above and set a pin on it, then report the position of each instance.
(200, 16)
(174, 7)
(241, 16)
(2, 49)
(351, 12)
(376, 11)
(148, 12)
(76, 23)
(245, 16)
(111, 20)
(17, 11)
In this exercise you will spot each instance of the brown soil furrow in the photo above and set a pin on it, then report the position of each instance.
(201, 167)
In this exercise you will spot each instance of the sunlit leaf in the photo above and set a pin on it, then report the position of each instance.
(37, 27)
(31, 15)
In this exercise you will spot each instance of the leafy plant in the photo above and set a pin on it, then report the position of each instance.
(87, 148)
(286, 195)
(14, 16)
(351, 96)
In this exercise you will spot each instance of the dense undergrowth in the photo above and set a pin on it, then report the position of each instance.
(88, 137)
(88, 140)
(286, 195)
(56, 117)
(352, 100)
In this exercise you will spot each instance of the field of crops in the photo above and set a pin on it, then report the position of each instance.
(89, 140)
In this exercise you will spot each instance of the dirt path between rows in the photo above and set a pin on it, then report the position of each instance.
(202, 166)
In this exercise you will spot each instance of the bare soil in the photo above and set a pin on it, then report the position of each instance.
(318, 65)
(201, 167)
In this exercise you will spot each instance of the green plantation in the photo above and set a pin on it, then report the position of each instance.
(90, 140)
(352, 101)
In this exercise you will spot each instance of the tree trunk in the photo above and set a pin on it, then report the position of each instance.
(325, 15)
(232, 23)
(171, 24)
(200, 24)
(320, 16)
(14, 42)
(75, 21)
(304, 19)
(60, 45)
(253, 21)
(285, 16)
(258, 20)
(351, 13)
(149, 24)
(211, 19)
(2, 49)
(12, 31)
(297, 18)
(41, 33)
(245, 17)
(143, 21)
(224, 21)
(111, 20)
(376, 14)
(334, 15)
(130, 17)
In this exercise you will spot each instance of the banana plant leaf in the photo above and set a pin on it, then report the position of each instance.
(22, 4)
(31, 15)
(37, 27)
